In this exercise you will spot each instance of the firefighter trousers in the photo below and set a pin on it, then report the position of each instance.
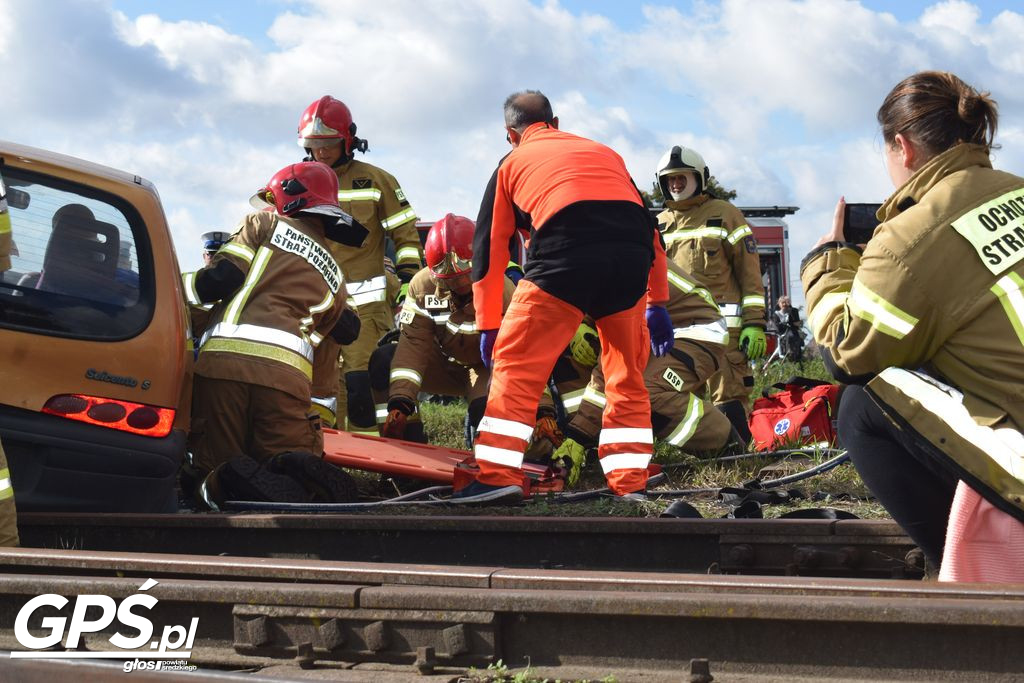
(678, 415)
(536, 329)
(231, 418)
(441, 376)
(8, 510)
(735, 380)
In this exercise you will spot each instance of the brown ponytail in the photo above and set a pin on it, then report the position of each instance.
(937, 110)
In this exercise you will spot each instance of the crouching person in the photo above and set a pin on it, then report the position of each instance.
(678, 414)
(438, 349)
(281, 293)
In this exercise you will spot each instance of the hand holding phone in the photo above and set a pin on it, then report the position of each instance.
(859, 222)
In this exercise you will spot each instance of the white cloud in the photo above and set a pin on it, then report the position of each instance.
(778, 95)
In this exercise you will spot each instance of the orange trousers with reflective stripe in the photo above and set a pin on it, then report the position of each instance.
(535, 330)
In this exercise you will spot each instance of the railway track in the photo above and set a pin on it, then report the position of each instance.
(302, 617)
(850, 548)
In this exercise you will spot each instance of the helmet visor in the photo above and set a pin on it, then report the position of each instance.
(451, 265)
(316, 143)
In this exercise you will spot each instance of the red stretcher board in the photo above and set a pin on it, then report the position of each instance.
(392, 456)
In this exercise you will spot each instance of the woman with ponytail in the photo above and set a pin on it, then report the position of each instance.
(926, 322)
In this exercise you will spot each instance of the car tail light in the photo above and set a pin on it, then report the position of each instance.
(137, 418)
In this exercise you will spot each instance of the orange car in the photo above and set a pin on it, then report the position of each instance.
(96, 361)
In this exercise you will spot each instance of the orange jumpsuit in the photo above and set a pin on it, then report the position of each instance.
(592, 245)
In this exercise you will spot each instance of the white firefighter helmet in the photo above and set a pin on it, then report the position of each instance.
(682, 160)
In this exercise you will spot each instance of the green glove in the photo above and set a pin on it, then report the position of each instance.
(585, 346)
(570, 455)
(752, 342)
(403, 292)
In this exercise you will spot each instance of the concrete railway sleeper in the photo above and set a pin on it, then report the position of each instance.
(845, 548)
(431, 618)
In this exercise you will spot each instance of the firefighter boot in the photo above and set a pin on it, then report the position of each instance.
(738, 416)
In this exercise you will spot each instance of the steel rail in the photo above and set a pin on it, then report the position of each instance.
(857, 548)
(599, 622)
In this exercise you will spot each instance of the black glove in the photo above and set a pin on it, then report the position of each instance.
(218, 281)
(346, 330)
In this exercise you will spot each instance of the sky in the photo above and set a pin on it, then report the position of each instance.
(779, 96)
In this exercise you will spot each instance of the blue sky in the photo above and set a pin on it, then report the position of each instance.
(779, 96)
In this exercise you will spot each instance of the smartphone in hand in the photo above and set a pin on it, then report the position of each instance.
(859, 222)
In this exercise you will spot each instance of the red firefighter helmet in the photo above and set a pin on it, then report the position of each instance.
(327, 122)
(308, 186)
(449, 248)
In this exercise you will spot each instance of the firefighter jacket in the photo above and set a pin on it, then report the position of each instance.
(577, 200)
(292, 296)
(694, 313)
(712, 242)
(372, 196)
(6, 241)
(433, 318)
(931, 316)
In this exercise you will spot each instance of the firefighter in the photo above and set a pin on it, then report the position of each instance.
(199, 312)
(929, 318)
(438, 349)
(374, 198)
(212, 242)
(710, 239)
(591, 252)
(678, 414)
(8, 510)
(282, 292)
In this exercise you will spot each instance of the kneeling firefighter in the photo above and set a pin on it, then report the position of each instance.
(281, 292)
(678, 414)
(438, 349)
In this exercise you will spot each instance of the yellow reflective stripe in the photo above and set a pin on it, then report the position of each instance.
(1001, 446)
(595, 397)
(407, 374)
(681, 282)
(688, 425)
(411, 254)
(753, 301)
(362, 194)
(827, 307)
(716, 332)
(261, 334)
(305, 323)
(240, 250)
(191, 295)
(251, 348)
(881, 314)
(256, 270)
(1008, 289)
(401, 218)
(464, 328)
(6, 488)
(571, 400)
(695, 233)
(5, 222)
(739, 233)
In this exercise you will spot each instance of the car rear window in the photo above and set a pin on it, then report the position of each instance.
(80, 262)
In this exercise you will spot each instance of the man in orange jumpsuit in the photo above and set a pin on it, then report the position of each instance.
(591, 251)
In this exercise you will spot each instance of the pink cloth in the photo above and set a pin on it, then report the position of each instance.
(983, 543)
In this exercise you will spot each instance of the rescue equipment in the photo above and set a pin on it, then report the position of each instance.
(803, 410)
